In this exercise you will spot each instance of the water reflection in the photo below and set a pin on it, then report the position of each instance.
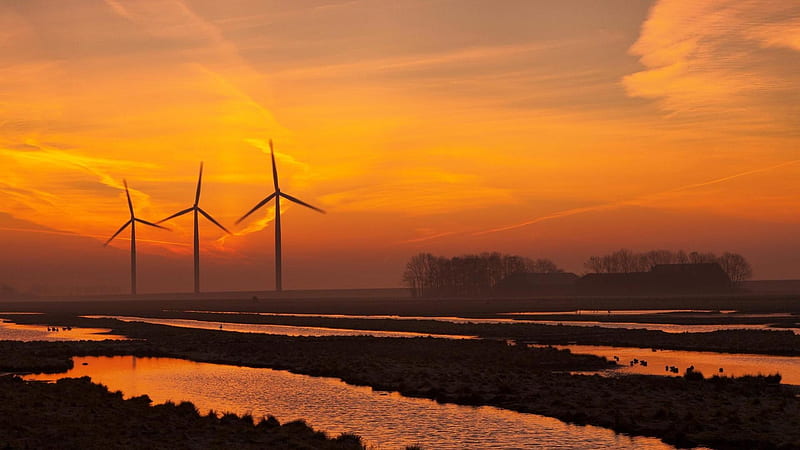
(15, 332)
(286, 330)
(665, 327)
(452, 319)
(706, 362)
(384, 420)
(621, 312)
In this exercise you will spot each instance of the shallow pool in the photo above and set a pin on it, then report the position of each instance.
(385, 420)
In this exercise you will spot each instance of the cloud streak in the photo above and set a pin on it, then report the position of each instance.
(642, 200)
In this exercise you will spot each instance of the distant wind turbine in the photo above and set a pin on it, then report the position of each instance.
(132, 223)
(277, 194)
(197, 211)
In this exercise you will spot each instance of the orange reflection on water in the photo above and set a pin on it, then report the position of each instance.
(708, 363)
(384, 420)
(16, 332)
(284, 330)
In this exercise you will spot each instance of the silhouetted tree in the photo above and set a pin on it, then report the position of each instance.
(699, 258)
(620, 261)
(541, 265)
(737, 268)
(624, 261)
(467, 275)
(418, 273)
(594, 264)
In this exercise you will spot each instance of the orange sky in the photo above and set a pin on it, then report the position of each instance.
(547, 129)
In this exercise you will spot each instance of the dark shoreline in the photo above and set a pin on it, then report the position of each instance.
(721, 413)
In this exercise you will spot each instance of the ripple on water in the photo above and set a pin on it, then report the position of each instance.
(384, 420)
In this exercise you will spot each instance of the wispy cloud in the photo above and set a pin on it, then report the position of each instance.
(419, 191)
(709, 59)
(476, 54)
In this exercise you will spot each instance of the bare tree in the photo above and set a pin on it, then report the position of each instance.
(419, 273)
(624, 260)
(594, 264)
(541, 265)
(736, 266)
(699, 258)
(655, 257)
(428, 275)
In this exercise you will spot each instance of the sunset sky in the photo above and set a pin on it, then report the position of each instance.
(540, 128)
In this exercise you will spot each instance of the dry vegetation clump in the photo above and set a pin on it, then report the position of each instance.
(75, 413)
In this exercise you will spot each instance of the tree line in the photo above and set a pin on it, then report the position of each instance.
(467, 275)
(626, 261)
(477, 274)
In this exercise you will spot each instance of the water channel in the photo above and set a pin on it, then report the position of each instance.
(16, 332)
(385, 420)
(709, 363)
(665, 327)
(286, 330)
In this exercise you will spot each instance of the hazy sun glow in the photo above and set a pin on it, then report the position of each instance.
(548, 129)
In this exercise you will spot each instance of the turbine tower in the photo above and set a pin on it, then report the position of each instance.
(277, 194)
(132, 223)
(197, 211)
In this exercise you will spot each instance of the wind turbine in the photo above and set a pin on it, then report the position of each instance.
(197, 211)
(277, 194)
(132, 223)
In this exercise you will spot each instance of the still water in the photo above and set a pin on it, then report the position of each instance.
(16, 332)
(665, 327)
(708, 363)
(384, 420)
(286, 330)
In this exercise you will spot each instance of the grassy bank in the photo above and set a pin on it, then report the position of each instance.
(75, 413)
(722, 413)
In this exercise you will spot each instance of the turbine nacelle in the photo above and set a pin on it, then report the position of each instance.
(133, 219)
(132, 224)
(277, 192)
(197, 210)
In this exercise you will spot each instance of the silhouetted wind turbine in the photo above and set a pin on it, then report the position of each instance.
(197, 210)
(132, 223)
(277, 196)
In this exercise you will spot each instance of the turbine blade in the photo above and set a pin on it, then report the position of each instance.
(177, 214)
(199, 181)
(151, 224)
(208, 216)
(128, 194)
(117, 233)
(274, 168)
(259, 205)
(300, 202)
